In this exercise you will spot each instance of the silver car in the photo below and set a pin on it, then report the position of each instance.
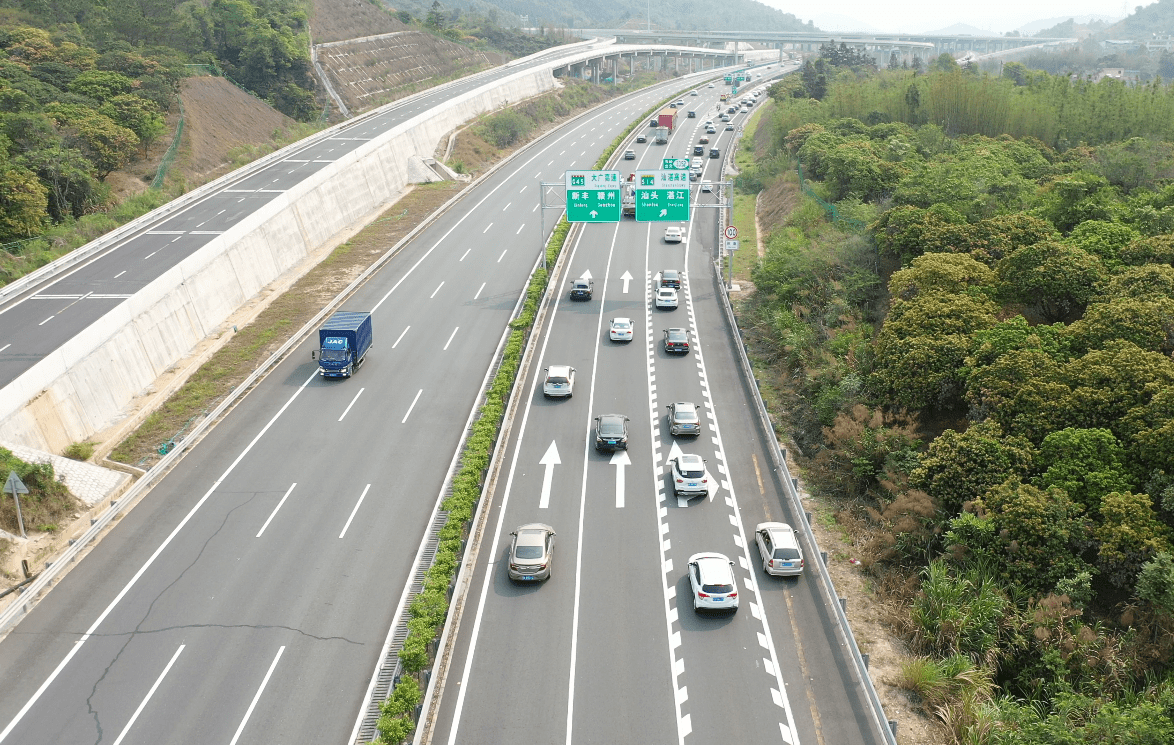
(712, 578)
(778, 547)
(683, 419)
(531, 552)
(559, 382)
(689, 476)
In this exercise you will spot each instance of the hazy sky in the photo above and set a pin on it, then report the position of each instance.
(924, 15)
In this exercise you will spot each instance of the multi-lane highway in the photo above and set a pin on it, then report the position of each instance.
(246, 598)
(609, 649)
(35, 323)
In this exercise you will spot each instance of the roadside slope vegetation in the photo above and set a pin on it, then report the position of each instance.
(981, 380)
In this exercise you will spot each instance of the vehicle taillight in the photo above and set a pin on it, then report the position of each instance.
(680, 481)
(801, 563)
(514, 566)
(702, 595)
(733, 595)
(772, 562)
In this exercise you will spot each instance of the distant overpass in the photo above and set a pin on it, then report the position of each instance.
(880, 46)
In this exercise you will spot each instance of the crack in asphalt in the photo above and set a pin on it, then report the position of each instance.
(130, 636)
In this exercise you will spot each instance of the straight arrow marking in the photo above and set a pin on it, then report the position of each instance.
(627, 278)
(619, 459)
(550, 460)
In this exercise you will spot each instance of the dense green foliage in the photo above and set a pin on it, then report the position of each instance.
(1004, 415)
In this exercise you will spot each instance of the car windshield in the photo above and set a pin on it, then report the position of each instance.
(334, 355)
(621, 325)
(667, 292)
(685, 414)
(580, 284)
(787, 554)
(676, 335)
(717, 589)
(556, 379)
(611, 427)
(529, 552)
(692, 472)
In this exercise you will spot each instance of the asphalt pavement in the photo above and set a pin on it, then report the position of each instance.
(247, 596)
(609, 649)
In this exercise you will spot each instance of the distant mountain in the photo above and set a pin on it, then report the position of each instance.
(961, 29)
(677, 15)
(1072, 29)
(1145, 23)
(839, 23)
(1035, 27)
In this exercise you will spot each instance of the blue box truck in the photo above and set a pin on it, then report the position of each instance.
(343, 342)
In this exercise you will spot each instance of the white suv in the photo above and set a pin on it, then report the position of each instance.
(779, 549)
(559, 382)
(712, 578)
(689, 476)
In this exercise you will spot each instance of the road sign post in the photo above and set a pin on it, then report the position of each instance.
(662, 196)
(16, 487)
(593, 196)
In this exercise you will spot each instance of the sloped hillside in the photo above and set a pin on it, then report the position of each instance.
(372, 59)
(1144, 22)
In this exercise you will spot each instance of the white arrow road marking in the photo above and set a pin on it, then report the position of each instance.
(550, 460)
(656, 280)
(674, 452)
(627, 278)
(586, 274)
(619, 459)
(712, 485)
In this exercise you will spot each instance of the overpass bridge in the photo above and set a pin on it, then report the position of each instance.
(880, 46)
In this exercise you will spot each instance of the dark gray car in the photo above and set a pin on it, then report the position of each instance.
(611, 432)
(531, 552)
(683, 418)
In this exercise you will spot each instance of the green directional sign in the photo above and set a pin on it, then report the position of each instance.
(674, 164)
(593, 196)
(662, 196)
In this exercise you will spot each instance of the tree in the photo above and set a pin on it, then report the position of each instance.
(944, 273)
(1103, 239)
(960, 467)
(894, 61)
(435, 17)
(101, 85)
(1147, 323)
(1155, 582)
(1158, 249)
(1042, 533)
(1056, 279)
(1069, 200)
(944, 62)
(1129, 535)
(1146, 282)
(1017, 72)
(138, 115)
(1023, 390)
(68, 175)
(1086, 463)
(23, 203)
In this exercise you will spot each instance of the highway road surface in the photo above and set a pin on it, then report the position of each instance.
(609, 649)
(247, 597)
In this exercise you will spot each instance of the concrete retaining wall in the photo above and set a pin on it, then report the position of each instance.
(87, 384)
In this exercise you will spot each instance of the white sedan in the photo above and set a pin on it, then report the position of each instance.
(666, 297)
(673, 234)
(621, 329)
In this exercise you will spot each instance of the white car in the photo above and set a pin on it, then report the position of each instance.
(711, 85)
(666, 297)
(673, 234)
(559, 382)
(707, 187)
(621, 329)
(712, 578)
(778, 547)
(689, 476)
(711, 130)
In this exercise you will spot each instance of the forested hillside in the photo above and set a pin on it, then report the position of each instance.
(982, 380)
(729, 15)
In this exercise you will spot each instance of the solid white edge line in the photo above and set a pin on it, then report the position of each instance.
(142, 570)
(275, 509)
(352, 403)
(150, 693)
(414, 400)
(355, 511)
(400, 337)
(583, 497)
(450, 337)
(257, 697)
(464, 681)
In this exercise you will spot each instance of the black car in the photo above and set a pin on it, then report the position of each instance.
(698, 150)
(732, 110)
(676, 340)
(715, 153)
(692, 115)
(581, 289)
(652, 122)
(670, 278)
(611, 432)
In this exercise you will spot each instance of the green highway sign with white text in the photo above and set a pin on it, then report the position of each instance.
(662, 196)
(593, 196)
(674, 164)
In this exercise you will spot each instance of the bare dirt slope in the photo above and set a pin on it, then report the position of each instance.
(339, 20)
(219, 119)
(369, 72)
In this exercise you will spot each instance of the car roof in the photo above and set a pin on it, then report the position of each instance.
(779, 532)
(667, 272)
(676, 332)
(713, 566)
(622, 320)
(689, 459)
(684, 406)
(555, 370)
(666, 291)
